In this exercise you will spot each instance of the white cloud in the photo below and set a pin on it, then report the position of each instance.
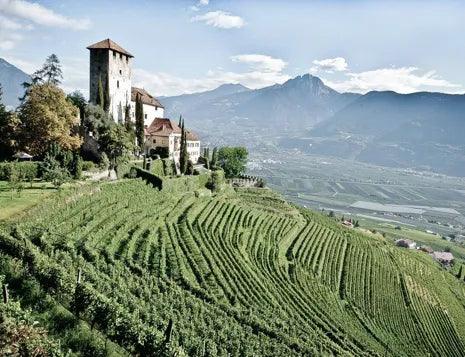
(401, 80)
(263, 71)
(220, 19)
(17, 16)
(261, 62)
(40, 15)
(203, 2)
(329, 65)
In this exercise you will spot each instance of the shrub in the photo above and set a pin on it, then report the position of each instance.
(28, 170)
(88, 166)
(157, 168)
(216, 180)
(104, 163)
(168, 167)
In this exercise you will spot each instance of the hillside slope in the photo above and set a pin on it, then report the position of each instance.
(12, 79)
(239, 273)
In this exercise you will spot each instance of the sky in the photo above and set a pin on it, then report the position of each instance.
(185, 46)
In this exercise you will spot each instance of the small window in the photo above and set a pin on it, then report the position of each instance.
(120, 72)
(154, 141)
(121, 56)
(117, 84)
(114, 54)
(145, 116)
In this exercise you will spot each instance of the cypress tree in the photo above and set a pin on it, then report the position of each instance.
(127, 118)
(184, 156)
(100, 96)
(106, 102)
(139, 122)
(214, 160)
(180, 121)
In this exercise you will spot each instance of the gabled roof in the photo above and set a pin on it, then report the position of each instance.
(109, 45)
(146, 97)
(163, 127)
(190, 136)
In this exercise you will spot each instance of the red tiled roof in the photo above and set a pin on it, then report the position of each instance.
(192, 136)
(163, 127)
(109, 45)
(146, 97)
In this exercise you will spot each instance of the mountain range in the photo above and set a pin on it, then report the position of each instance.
(11, 79)
(422, 130)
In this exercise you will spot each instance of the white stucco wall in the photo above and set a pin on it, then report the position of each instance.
(173, 143)
(119, 84)
(150, 113)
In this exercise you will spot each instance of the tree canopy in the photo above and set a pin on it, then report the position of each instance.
(233, 160)
(47, 116)
(8, 129)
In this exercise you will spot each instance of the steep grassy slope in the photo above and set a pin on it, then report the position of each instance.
(240, 273)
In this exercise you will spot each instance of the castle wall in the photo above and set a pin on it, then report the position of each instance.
(120, 84)
(115, 67)
(98, 69)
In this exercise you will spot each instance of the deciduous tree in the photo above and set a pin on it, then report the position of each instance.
(232, 160)
(47, 116)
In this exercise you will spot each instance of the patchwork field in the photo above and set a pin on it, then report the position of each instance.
(239, 273)
(426, 200)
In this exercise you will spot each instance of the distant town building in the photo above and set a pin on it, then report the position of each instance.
(165, 134)
(445, 258)
(406, 243)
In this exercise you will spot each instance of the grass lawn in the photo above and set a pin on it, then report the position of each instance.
(12, 203)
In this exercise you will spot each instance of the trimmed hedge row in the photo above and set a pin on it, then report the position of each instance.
(150, 178)
(172, 185)
(28, 170)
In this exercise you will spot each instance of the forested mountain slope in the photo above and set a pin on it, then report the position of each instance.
(238, 273)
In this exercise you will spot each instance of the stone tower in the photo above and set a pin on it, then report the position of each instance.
(111, 64)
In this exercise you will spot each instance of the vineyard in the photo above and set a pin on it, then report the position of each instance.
(238, 273)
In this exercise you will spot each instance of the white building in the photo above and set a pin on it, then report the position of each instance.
(112, 65)
(152, 108)
(165, 133)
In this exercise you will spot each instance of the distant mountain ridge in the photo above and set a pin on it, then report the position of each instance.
(420, 130)
(301, 101)
(11, 79)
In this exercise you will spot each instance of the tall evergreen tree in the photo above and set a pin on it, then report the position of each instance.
(51, 70)
(184, 156)
(214, 160)
(127, 118)
(139, 122)
(100, 96)
(180, 121)
(106, 101)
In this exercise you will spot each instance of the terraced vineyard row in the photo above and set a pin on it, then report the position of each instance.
(240, 273)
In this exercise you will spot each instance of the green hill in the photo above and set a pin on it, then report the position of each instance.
(238, 273)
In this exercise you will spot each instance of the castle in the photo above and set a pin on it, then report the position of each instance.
(111, 65)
